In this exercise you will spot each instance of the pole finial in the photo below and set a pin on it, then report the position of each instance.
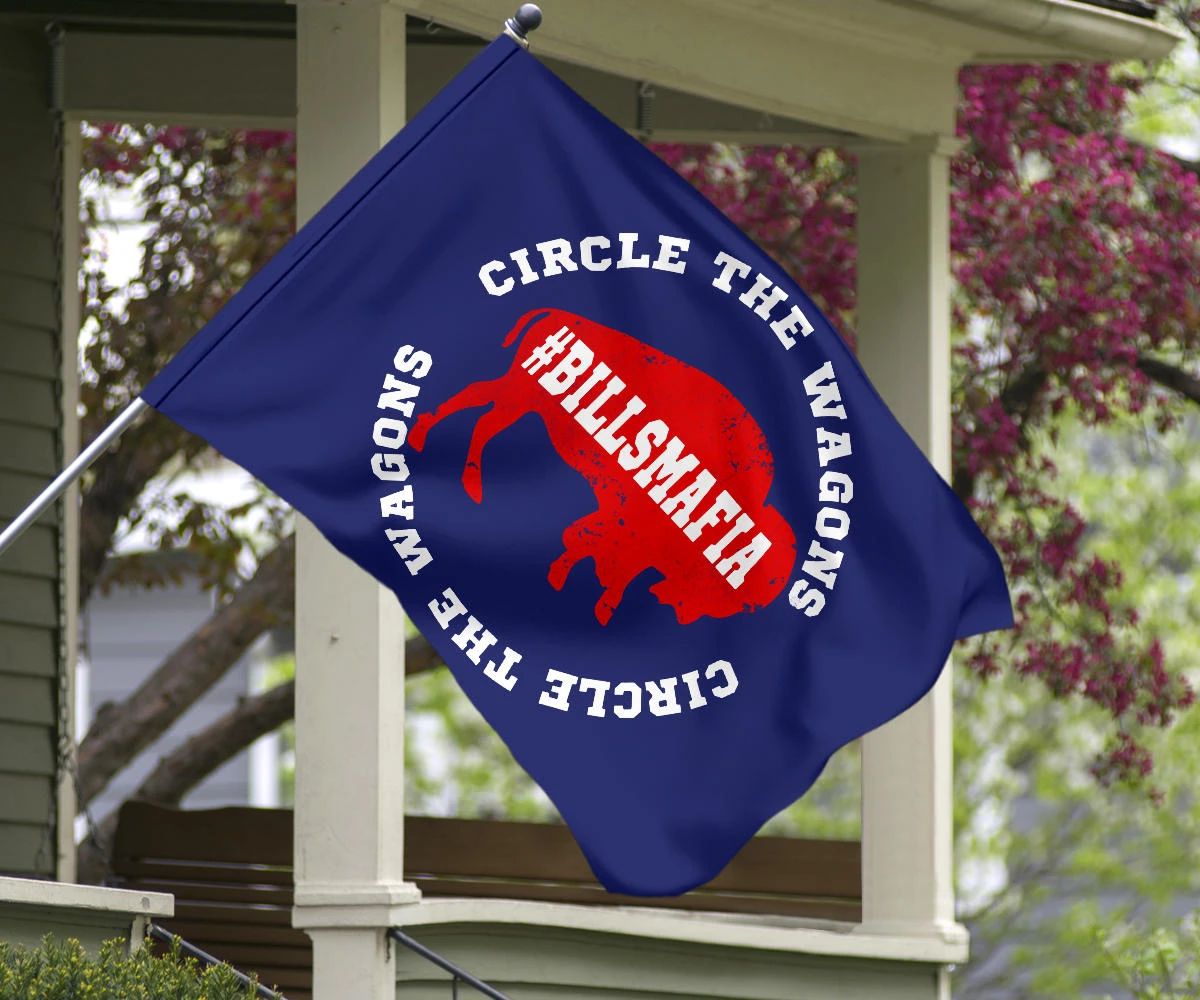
(525, 20)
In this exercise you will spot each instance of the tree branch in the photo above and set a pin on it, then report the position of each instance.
(200, 755)
(1017, 399)
(1170, 377)
(187, 765)
(1019, 395)
(121, 731)
(419, 656)
(116, 480)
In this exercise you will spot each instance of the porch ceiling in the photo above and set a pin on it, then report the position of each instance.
(968, 30)
(766, 70)
(878, 68)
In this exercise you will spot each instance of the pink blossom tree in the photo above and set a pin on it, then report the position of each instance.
(1075, 253)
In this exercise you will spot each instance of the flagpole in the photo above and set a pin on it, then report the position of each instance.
(127, 418)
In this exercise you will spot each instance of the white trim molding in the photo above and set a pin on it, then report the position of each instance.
(790, 934)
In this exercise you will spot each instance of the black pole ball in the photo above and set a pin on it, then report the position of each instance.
(528, 17)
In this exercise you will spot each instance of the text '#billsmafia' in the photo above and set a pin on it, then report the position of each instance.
(658, 441)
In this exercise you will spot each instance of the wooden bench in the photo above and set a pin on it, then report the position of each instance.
(230, 871)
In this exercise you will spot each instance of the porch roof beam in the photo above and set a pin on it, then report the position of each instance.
(185, 78)
(1071, 28)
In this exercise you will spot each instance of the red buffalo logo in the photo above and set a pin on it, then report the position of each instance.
(680, 470)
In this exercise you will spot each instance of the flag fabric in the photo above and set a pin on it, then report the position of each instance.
(616, 466)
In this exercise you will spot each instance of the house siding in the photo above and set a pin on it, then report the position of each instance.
(543, 963)
(30, 451)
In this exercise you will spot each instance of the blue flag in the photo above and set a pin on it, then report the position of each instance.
(617, 467)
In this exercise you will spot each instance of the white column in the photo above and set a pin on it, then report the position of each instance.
(904, 344)
(72, 160)
(349, 848)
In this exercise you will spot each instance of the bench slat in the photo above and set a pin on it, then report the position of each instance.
(204, 932)
(813, 908)
(193, 909)
(255, 955)
(235, 834)
(210, 893)
(180, 871)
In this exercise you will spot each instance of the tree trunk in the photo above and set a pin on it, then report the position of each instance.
(187, 765)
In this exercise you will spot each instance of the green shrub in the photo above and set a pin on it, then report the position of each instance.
(62, 970)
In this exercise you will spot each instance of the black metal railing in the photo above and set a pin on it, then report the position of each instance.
(204, 958)
(458, 975)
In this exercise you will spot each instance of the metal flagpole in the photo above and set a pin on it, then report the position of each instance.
(517, 27)
(127, 418)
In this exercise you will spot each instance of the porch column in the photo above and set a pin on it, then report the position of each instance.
(349, 630)
(69, 310)
(904, 344)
